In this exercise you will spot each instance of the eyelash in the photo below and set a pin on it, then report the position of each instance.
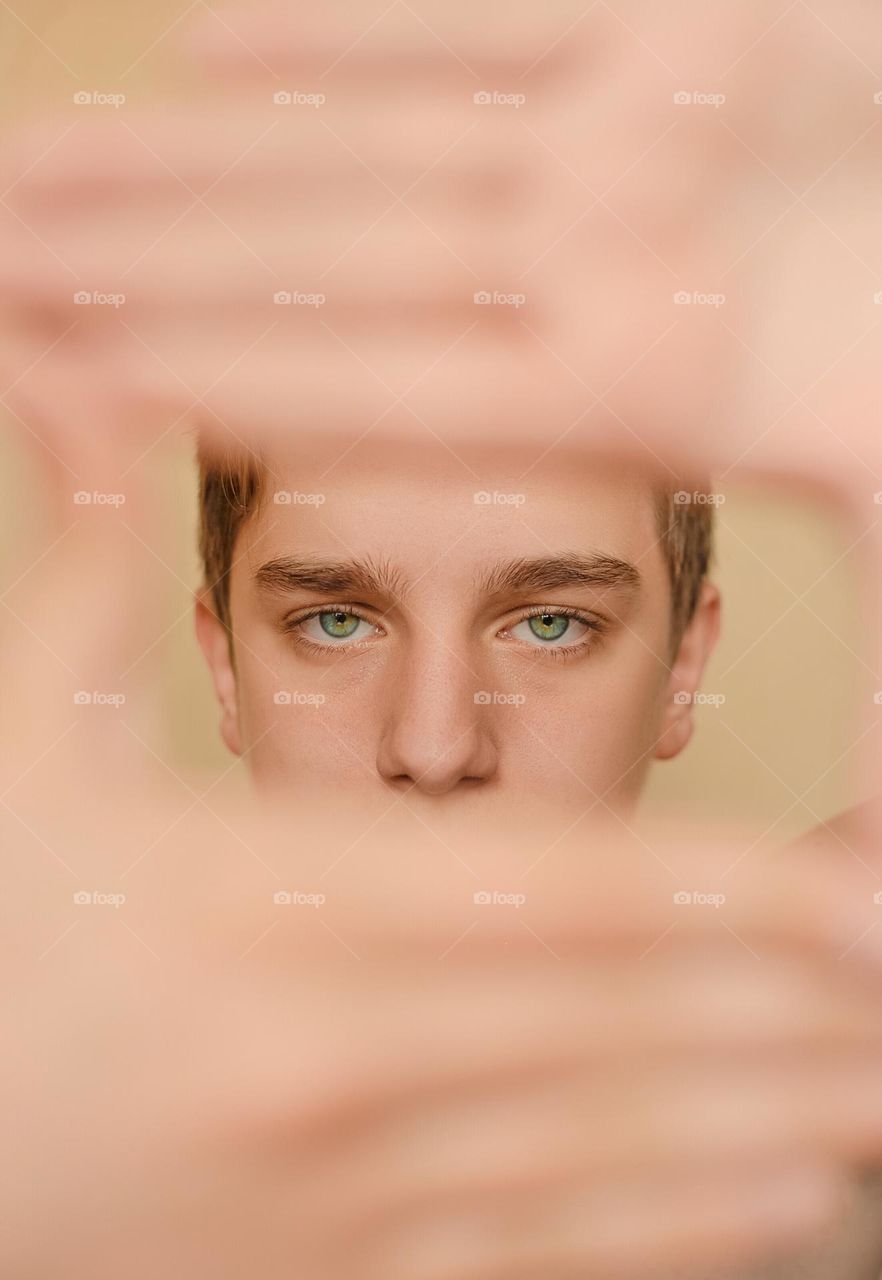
(291, 627)
(559, 653)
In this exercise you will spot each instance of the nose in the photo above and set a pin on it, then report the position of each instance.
(436, 738)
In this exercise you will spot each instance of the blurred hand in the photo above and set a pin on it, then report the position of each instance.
(413, 1073)
(405, 1082)
(586, 200)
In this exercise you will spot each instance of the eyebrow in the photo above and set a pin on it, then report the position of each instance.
(287, 574)
(343, 577)
(545, 573)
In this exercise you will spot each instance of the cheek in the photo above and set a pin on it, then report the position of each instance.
(593, 729)
(587, 749)
(257, 688)
(297, 725)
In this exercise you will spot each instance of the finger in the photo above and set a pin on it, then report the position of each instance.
(626, 1228)
(436, 39)
(221, 152)
(80, 595)
(346, 266)
(542, 1140)
(506, 381)
(444, 1034)
(603, 890)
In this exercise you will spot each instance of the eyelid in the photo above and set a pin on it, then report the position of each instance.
(595, 621)
(295, 618)
(596, 629)
(293, 626)
(293, 622)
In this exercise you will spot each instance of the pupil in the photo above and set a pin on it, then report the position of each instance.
(549, 626)
(339, 623)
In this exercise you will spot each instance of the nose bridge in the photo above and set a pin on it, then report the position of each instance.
(435, 735)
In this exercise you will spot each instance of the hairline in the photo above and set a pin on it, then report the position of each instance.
(251, 470)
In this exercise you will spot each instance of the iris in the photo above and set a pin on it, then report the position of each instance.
(549, 626)
(338, 624)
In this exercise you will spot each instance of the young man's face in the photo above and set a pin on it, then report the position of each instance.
(414, 623)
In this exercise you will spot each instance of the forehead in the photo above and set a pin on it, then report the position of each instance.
(421, 505)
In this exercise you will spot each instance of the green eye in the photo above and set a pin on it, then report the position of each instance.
(338, 624)
(553, 630)
(333, 629)
(549, 626)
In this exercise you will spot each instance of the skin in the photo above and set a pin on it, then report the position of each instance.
(400, 676)
(687, 200)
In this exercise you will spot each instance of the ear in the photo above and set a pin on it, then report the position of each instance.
(215, 645)
(698, 643)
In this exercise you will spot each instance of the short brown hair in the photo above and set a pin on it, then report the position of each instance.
(230, 488)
